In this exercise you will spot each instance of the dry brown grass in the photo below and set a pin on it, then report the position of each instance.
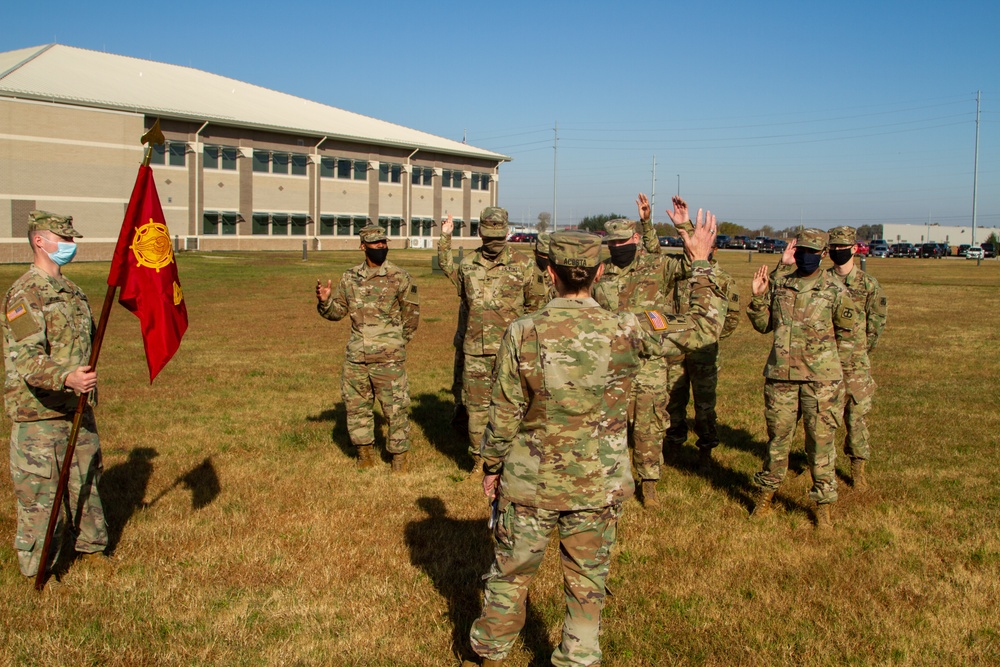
(245, 535)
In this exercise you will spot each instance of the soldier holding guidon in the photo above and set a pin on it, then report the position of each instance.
(556, 448)
(48, 329)
(382, 302)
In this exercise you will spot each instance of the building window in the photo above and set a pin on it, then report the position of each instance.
(279, 224)
(361, 170)
(279, 163)
(219, 157)
(422, 176)
(421, 226)
(298, 226)
(327, 225)
(343, 225)
(346, 168)
(474, 228)
(480, 181)
(360, 222)
(177, 153)
(458, 227)
(451, 178)
(214, 222)
(228, 222)
(261, 224)
(396, 227)
(210, 223)
(158, 155)
(299, 163)
(261, 161)
(327, 167)
(389, 172)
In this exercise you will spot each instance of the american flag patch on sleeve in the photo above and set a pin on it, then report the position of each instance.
(656, 320)
(16, 312)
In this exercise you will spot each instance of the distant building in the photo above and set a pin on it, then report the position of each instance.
(244, 167)
(953, 236)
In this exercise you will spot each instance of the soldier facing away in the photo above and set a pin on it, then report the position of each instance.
(48, 329)
(382, 301)
(814, 323)
(867, 294)
(494, 284)
(556, 449)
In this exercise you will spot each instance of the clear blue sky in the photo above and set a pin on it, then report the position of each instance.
(770, 112)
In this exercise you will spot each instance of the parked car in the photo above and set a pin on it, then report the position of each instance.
(863, 249)
(722, 241)
(930, 250)
(945, 249)
(764, 244)
(989, 250)
(523, 237)
(879, 249)
(962, 249)
(974, 252)
(664, 241)
(903, 250)
(778, 246)
(741, 242)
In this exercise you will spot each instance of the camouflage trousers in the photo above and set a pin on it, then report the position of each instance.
(649, 417)
(697, 374)
(821, 406)
(477, 385)
(456, 375)
(521, 535)
(37, 452)
(386, 381)
(857, 405)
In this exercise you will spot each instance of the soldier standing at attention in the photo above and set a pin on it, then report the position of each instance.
(632, 283)
(556, 447)
(460, 417)
(494, 284)
(814, 324)
(867, 294)
(48, 330)
(382, 301)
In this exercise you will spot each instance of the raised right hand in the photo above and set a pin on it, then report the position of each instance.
(447, 225)
(761, 280)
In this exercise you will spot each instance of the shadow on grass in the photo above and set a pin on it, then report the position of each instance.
(433, 414)
(455, 554)
(123, 490)
(340, 435)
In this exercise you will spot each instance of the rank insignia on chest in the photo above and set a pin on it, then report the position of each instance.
(848, 313)
(656, 320)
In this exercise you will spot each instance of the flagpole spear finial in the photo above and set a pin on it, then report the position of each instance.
(153, 137)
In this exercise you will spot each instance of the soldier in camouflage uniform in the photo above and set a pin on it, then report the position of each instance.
(860, 387)
(460, 416)
(633, 282)
(556, 447)
(494, 284)
(542, 289)
(382, 301)
(48, 329)
(815, 327)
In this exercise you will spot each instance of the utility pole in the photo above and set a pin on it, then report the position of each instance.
(652, 195)
(975, 171)
(678, 185)
(555, 173)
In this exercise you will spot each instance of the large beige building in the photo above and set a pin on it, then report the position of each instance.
(243, 168)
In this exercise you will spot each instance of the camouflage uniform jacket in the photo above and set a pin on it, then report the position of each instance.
(384, 310)
(815, 327)
(682, 296)
(495, 293)
(541, 292)
(867, 294)
(559, 410)
(47, 329)
(645, 284)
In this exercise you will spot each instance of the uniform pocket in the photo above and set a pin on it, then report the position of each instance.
(35, 460)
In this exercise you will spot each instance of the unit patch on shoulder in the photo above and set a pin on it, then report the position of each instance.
(656, 320)
(20, 321)
(883, 301)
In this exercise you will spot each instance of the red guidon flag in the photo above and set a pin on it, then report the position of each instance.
(145, 270)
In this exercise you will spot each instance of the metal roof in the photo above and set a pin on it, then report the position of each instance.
(59, 73)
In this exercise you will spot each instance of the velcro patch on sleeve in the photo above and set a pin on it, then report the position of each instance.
(656, 320)
(413, 289)
(22, 324)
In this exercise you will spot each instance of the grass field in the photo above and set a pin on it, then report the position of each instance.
(243, 534)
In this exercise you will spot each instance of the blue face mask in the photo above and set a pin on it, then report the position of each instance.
(807, 262)
(64, 254)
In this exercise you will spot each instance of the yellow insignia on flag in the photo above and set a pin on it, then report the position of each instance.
(656, 320)
(178, 294)
(151, 246)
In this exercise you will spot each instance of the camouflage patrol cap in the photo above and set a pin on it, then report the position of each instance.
(620, 229)
(575, 248)
(542, 244)
(493, 222)
(53, 222)
(372, 234)
(814, 239)
(843, 236)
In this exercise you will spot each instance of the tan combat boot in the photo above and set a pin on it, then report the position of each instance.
(823, 520)
(762, 504)
(366, 456)
(477, 468)
(400, 464)
(649, 499)
(858, 474)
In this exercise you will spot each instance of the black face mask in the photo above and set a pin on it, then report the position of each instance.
(542, 262)
(622, 255)
(493, 247)
(807, 262)
(841, 256)
(376, 255)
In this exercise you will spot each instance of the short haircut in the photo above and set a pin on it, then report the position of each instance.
(575, 278)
